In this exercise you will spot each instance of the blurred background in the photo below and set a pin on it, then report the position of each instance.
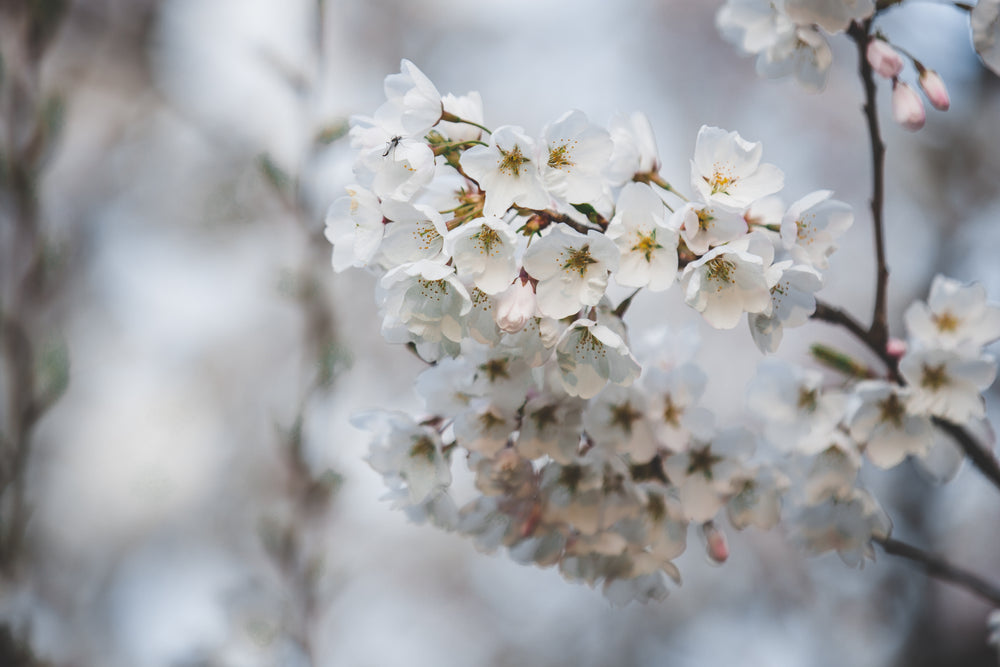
(186, 488)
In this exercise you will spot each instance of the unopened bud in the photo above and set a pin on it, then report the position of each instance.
(516, 306)
(716, 544)
(895, 348)
(933, 86)
(884, 59)
(907, 109)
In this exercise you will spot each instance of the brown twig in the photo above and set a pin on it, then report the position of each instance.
(879, 330)
(939, 568)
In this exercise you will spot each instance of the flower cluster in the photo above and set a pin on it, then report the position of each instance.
(494, 253)
(829, 430)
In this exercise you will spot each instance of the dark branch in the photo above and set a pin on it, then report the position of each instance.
(880, 323)
(939, 568)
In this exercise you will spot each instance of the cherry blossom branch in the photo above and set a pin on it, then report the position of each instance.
(837, 316)
(879, 330)
(939, 568)
(980, 456)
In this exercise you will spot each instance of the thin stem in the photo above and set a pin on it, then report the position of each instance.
(980, 456)
(879, 330)
(452, 118)
(939, 568)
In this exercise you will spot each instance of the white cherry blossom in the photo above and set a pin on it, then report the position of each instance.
(574, 153)
(467, 107)
(483, 249)
(793, 300)
(726, 169)
(812, 225)
(729, 281)
(955, 315)
(413, 103)
(647, 245)
(506, 170)
(414, 232)
(881, 423)
(405, 451)
(354, 227)
(947, 384)
(705, 225)
(590, 355)
(427, 298)
(633, 148)
(399, 171)
(571, 269)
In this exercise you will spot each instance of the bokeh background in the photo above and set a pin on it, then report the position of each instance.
(197, 496)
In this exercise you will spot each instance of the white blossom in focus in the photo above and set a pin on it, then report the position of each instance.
(726, 169)
(399, 171)
(484, 250)
(647, 245)
(730, 281)
(571, 269)
(955, 315)
(574, 153)
(507, 171)
(516, 306)
(427, 298)
(590, 355)
(633, 148)
(466, 107)
(413, 103)
(705, 225)
(415, 232)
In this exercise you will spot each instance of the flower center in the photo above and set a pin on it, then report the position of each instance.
(579, 260)
(623, 416)
(702, 460)
(487, 238)
(720, 270)
(721, 180)
(946, 322)
(705, 218)
(646, 245)
(933, 377)
(423, 447)
(891, 409)
(559, 157)
(512, 160)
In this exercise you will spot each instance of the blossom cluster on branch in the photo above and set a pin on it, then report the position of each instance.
(494, 253)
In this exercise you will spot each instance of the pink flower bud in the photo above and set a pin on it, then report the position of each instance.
(907, 109)
(516, 306)
(895, 348)
(717, 546)
(884, 59)
(933, 87)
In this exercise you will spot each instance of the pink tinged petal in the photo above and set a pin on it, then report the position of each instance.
(933, 87)
(907, 109)
(884, 59)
